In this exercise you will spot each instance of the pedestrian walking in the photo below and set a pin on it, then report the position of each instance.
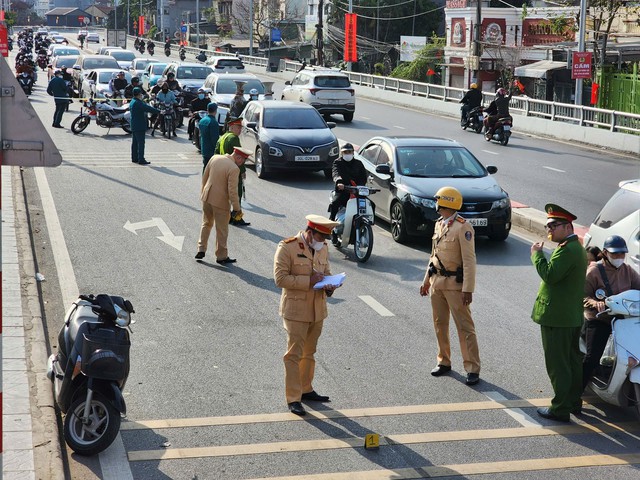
(225, 144)
(558, 311)
(57, 88)
(81, 38)
(209, 134)
(219, 191)
(450, 281)
(300, 262)
(139, 123)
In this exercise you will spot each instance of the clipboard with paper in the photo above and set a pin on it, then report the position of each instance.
(331, 281)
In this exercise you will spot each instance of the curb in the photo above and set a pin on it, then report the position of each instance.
(535, 221)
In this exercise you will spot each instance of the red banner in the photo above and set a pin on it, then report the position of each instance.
(350, 44)
(4, 41)
(141, 25)
(581, 65)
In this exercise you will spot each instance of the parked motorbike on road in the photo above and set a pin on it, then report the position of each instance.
(90, 370)
(617, 381)
(474, 120)
(501, 131)
(356, 222)
(105, 115)
(26, 82)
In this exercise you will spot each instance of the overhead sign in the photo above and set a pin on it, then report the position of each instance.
(581, 65)
(540, 31)
(350, 41)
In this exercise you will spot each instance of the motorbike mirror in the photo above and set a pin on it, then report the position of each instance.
(252, 125)
(287, 82)
(492, 169)
(129, 306)
(384, 169)
(600, 294)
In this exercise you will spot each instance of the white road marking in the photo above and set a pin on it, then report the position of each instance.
(113, 461)
(554, 169)
(377, 306)
(492, 153)
(398, 126)
(516, 413)
(167, 237)
(183, 156)
(365, 118)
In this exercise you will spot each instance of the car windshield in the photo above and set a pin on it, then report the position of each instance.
(293, 118)
(105, 77)
(66, 51)
(621, 205)
(123, 56)
(68, 61)
(158, 68)
(332, 81)
(142, 64)
(95, 63)
(233, 62)
(227, 85)
(455, 162)
(196, 73)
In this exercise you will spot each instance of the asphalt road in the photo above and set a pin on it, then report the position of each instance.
(208, 341)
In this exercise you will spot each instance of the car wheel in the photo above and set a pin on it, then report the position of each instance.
(348, 117)
(500, 236)
(261, 169)
(398, 223)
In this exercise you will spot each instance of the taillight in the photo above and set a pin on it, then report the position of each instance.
(313, 91)
(351, 91)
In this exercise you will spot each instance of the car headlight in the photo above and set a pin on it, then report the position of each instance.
(502, 203)
(425, 202)
(334, 151)
(275, 152)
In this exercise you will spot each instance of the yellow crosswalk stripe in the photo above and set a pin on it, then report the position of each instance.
(401, 439)
(530, 465)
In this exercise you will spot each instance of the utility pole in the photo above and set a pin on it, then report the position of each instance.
(581, 45)
(250, 28)
(115, 16)
(319, 34)
(476, 45)
(198, 23)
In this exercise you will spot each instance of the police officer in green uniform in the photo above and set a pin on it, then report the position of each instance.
(558, 311)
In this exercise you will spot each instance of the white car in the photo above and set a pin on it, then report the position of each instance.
(328, 90)
(223, 86)
(96, 82)
(82, 32)
(59, 50)
(620, 216)
(92, 37)
(59, 40)
(139, 64)
(226, 64)
(124, 57)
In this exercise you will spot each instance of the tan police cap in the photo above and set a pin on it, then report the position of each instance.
(321, 224)
(245, 152)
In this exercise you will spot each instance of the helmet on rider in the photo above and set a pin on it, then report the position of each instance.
(121, 73)
(615, 244)
(448, 197)
(473, 86)
(253, 93)
(171, 76)
(135, 80)
(501, 92)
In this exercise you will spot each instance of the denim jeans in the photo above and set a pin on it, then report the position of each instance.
(60, 108)
(137, 146)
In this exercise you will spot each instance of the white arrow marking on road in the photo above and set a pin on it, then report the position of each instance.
(554, 169)
(377, 306)
(167, 235)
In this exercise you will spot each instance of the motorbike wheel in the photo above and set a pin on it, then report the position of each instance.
(168, 126)
(398, 227)
(364, 245)
(261, 169)
(98, 433)
(636, 389)
(505, 139)
(126, 127)
(79, 124)
(463, 123)
(479, 128)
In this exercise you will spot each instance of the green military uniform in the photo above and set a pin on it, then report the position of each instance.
(558, 311)
(224, 146)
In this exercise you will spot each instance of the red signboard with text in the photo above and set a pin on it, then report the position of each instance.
(350, 43)
(4, 41)
(581, 65)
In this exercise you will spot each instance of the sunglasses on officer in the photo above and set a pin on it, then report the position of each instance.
(553, 225)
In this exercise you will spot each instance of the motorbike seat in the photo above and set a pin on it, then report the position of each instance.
(121, 109)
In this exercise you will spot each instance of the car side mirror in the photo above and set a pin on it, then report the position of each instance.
(384, 169)
(331, 124)
(252, 125)
(492, 169)
(77, 67)
(92, 82)
(287, 82)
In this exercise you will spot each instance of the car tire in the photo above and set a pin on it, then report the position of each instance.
(398, 223)
(261, 169)
(500, 236)
(348, 117)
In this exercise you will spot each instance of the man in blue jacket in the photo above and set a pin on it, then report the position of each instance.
(57, 88)
(138, 110)
(209, 133)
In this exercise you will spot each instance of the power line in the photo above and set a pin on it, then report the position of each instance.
(361, 7)
(396, 18)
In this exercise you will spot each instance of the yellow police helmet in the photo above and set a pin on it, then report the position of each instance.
(449, 197)
(474, 85)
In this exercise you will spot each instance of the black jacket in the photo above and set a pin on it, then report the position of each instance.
(473, 98)
(343, 172)
(197, 104)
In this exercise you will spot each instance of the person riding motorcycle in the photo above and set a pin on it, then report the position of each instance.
(166, 96)
(202, 57)
(253, 94)
(471, 100)
(151, 46)
(128, 91)
(118, 82)
(498, 108)
(346, 170)
(613, 276)
(197, 104)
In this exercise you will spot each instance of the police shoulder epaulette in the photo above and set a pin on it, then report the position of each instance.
(560, 245)
(460, 219)
(289, 240)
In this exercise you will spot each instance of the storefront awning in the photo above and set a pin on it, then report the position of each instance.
(538, 69)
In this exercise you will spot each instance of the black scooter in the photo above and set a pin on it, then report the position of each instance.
(90, 370)
(474, 119)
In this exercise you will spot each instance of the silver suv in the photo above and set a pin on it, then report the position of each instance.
(328, 90)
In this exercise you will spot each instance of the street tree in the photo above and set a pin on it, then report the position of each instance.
(426, 66)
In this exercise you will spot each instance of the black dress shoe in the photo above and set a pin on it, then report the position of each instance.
(297, 408)
(224, 261)
(546, 413)
(440, 370)
(472, 378)
(199, 255)
(134, 161)
(312, 396)
(240, 223)
(143, 162)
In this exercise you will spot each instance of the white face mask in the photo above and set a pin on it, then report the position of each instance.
(201, 96)
(347, 157)
(317, 246)
(616, 262)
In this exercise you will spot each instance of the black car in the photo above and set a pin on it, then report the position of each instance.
(419, 166)
(288, 136)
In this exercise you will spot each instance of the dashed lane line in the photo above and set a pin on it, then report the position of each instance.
(492, 153)
(390, 440)
(377, 306)
(554, 169)
(510, 466)
(517, 414)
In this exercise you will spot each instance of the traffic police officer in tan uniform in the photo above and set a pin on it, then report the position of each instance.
(450, 279)
(300, 262)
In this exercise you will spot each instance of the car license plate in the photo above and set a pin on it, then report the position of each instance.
(333, 101)
(506, 128)
(478, 222)
(307, 158)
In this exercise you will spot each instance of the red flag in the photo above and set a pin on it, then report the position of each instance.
(350, 45)
(430, 72)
